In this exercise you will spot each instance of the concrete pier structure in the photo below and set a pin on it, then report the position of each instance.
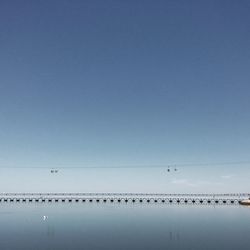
(208, 199)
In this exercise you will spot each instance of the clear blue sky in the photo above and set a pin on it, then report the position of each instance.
(124, 82)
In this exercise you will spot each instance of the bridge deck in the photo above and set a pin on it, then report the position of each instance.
(232, 198)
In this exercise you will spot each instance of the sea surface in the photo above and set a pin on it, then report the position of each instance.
(123, 226)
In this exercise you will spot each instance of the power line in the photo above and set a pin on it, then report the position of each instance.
(83, 166)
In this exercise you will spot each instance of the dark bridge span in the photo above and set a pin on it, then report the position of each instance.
(231, 198)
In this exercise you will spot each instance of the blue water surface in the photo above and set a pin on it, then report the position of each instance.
(123, 226)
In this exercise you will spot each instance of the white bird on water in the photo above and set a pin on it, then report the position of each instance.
(45, 217)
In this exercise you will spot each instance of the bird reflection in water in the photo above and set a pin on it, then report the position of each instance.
(174, 236)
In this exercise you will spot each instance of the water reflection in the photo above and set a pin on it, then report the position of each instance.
(121, 226)
(50, 231)
(174, 236)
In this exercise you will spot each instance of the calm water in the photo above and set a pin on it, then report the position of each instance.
(123, 226)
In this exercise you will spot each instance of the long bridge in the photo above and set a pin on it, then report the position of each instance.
(219, 199)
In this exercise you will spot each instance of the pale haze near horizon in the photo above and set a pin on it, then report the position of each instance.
(185, 180)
